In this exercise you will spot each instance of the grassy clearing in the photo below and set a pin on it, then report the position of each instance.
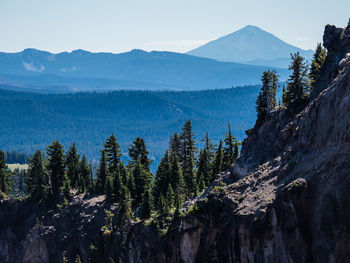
(15, 166)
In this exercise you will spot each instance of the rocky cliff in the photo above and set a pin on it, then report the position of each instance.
(286, 199)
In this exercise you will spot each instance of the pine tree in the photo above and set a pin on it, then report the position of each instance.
(112, 151)
(218, 161)
(124, 212)
(124, 174)
(36, 176)
(178, 203)
(266, 100)
(229, 150)
(84, 174)
(66, 189)
(117, 185)
(131, 184)
(284, 97)
(147, 204)
(5, 175)
(297, 83)
(101, 174)
(162, 206)
(142, 179)
(175, 144)
(72, 164)
(204, 170)
(170, 197)
(109, 189)
(316, 64)
(177, 180)
(187, 156)
(274, 84)
(162, 178)
(209, 146)
(55, 167)
(138, 151)
(260, 108)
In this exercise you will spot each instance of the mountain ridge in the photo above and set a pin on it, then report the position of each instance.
(167, 70)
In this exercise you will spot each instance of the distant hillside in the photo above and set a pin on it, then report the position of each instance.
(35, 70)
(30, 121)
(250, 45)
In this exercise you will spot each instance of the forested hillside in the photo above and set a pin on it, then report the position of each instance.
(32, 121)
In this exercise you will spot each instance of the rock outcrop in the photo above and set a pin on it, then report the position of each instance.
(286, 199)
(29, 233)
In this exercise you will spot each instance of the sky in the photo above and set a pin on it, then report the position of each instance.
(181, 25)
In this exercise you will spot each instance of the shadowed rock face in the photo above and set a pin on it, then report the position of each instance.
(31, 233)
(286, 199)
(337, 42)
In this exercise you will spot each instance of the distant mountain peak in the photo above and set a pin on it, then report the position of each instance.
(80, 52)
(250, 44)
(33, 51)
(251, 28)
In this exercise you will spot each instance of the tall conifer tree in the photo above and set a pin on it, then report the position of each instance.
(138, 151)
(187, 156)
(176, 179)
(230, 153)
(113, 154)
(297, 84)
(147, 204)
(36, 176)
(142, 179)
(72, 164)
(266, 100)
(218, 161)
(84, 175)
(316, 64)
(162, 178)
(204, 171)
(175, 144)
(56, 164)
(101, 174)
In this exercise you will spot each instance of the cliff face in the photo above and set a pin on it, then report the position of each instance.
(286, 199)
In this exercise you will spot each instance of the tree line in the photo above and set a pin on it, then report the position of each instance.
(183, 172)
(299, 85)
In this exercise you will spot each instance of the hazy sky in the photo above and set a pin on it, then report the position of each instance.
(179, 25)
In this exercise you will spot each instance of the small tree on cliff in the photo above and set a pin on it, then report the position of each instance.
(297, 84)
(266, 100)
(230, 150)
(316, 64)
(218, 161)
